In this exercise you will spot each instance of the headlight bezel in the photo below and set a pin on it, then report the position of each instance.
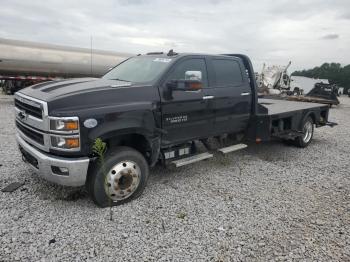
(56, 147)
(53, 123)
(63, 134)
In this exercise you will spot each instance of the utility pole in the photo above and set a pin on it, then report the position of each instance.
(91, 55)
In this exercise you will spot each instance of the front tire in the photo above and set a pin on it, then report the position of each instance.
(122, 178)
(308, 133)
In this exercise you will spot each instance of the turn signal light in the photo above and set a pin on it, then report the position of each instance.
(72, 142)
(73, 125)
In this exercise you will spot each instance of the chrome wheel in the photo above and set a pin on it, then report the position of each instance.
(307, 130)
(122, 180)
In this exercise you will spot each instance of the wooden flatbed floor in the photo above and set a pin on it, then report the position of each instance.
(279, 106)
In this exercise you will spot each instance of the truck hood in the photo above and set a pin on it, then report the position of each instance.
(52, 90)
(65, 97)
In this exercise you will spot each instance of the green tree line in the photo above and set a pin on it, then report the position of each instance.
(334, 72)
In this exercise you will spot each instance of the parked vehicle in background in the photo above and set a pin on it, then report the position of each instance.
(340, 90)
(154, 108)
(275, 79)
(305, 84)
(26, 63)
(321, 93)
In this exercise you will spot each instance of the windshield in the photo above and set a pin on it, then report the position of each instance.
(139, 69)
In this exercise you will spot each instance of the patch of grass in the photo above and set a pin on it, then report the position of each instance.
(181, 215)
(100, 148)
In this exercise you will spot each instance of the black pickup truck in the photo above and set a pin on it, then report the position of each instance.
(153, 108)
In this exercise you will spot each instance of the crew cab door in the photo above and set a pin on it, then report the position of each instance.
(230, 93)
(185, 114)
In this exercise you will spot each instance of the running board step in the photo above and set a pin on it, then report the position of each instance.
(191, 159)
(230, 149)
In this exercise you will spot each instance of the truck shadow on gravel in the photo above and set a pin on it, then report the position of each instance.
(51, 192)
(274, 151)
(75, 195)
(271, 151)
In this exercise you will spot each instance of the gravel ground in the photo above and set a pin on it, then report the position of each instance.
(267, 202)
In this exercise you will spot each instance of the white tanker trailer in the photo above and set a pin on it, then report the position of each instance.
(25, 63)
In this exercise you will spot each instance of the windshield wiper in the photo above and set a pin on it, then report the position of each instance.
(120, 79)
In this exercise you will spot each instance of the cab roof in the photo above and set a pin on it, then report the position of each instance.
(172, 54)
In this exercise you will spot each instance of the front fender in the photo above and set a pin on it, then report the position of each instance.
(140, 122)
(132, 122)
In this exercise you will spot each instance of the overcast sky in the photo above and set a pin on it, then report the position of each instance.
(307, 32)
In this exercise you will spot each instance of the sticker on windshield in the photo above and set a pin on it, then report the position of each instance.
(162, 60)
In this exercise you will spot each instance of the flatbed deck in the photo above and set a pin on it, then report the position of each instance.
(279, 106)
(279, 118)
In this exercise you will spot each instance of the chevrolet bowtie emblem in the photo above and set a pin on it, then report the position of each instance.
(22, 115)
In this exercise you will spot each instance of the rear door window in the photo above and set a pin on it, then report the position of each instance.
(227, 72)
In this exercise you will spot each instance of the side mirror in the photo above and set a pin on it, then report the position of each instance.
(193, 75)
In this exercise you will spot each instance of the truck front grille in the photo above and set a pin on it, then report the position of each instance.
(35, 111)
(31, 133)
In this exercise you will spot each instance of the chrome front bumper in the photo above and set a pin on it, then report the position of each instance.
(49, 167)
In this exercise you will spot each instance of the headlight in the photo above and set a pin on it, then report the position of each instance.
(64, 124)
(62, 142)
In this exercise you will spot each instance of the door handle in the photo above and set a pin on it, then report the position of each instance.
(207, 97)
(245, 94)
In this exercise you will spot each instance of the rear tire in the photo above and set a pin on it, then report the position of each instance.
(308, 130)
(122, 179)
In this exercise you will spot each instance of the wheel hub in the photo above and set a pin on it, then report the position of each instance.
(307, 132)
(122, 180)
